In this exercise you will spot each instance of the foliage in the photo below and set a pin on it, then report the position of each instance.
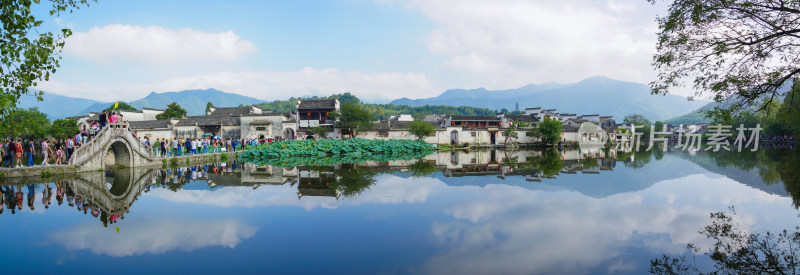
(335, 151)
(28, 55)
(736, 250)
(64, 128)
(549, 163)
(122, 106)
(421, 168)
(25, 124)
(173, 110)
(421, 129)
(509, 133)
(208, 107)
(744, 48)
(353, 117)
(319, 132)
(549, 131)
(638, 120)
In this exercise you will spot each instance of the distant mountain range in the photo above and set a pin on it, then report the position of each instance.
(194, 101)
(595, 95)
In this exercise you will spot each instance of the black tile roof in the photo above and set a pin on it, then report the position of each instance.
(149, 124)
(232, 111)
(317, 104)
(520, 117)
(474, 118)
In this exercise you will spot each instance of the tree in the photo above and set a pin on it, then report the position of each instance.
(319, 132)
(353, 117)
(26, 124)
(638, 120)
(745, 48)
(121, 106)
(738, 250)
(421, 129)
(549, 131)
(208, 107)
(509, 133)
(64, 128)
(173, 110)
(28, 56)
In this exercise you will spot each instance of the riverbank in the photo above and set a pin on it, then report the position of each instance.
(63, 171)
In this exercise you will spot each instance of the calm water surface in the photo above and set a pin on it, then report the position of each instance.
(452, 213)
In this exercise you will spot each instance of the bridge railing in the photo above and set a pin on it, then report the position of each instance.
(86, 151)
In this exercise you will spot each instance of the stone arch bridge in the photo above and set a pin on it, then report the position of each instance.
(118, 137)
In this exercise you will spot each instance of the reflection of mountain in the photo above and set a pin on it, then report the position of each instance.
(597, 185)
(749, 177)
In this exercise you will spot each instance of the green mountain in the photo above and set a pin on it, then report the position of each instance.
(194, 101)
(594, 95)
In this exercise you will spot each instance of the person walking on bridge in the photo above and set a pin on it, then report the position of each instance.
(103, 119)
(31, 149)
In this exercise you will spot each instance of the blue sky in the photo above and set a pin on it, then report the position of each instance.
(379, 50)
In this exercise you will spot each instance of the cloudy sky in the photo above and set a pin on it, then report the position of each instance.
(376, 49)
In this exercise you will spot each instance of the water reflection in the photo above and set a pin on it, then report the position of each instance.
(577, 211)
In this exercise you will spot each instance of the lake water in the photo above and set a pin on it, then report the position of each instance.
(485, 212)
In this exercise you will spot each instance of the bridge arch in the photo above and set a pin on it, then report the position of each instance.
(122, 153)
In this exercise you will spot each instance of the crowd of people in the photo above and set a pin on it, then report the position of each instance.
(21, 153)
(163, 147)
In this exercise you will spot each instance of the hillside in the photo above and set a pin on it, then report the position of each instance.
(194, 101)
(595, 95)
(57, 106)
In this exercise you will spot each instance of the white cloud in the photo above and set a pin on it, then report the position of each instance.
(519, 42)
(153, 236)
(121, 44)
(263, 85)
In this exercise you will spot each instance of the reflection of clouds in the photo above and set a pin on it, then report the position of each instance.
(389, 190)
(153, 236)
(509, 229)
(514, 230)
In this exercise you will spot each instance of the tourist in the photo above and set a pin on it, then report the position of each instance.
(84, 133)
(95, 127)
(47, 194)
(59, 155)
(78, 140)
(31, 195)
(162, 146)
(228, 145)
(103, 119)
(18, 151)
(113, 118)
(175, 147)
(31, 149)
(7, 149)
(70, 148)
(147, 141)
(45, 151)
(193, 144)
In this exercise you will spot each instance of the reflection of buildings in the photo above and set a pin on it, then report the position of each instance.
(314, 183)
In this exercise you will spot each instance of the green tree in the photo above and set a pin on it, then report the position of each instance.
(319, 132)
(208, 107)
(744, 48)
(421, 129)
(26, 124)
(638, 120)
(549, 131)
(121, 106)
(353, 117)
(64, 128)
(28, 55)
(173, 110)
(510, 133)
